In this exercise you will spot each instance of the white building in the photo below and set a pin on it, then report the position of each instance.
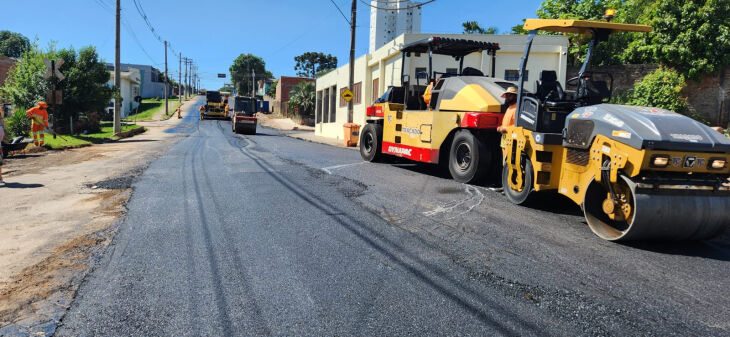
(389, 19)
(377, 71)
(130, 88)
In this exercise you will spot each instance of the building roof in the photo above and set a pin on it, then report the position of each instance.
(449, 46)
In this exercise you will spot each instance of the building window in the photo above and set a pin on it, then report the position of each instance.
(325, 105)
(421, 73)
(376, 89)
(333, 106)
(514, 75)
(318, 117)
(357, 92)
(452, 71)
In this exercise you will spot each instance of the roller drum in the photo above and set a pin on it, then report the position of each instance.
(661, 217)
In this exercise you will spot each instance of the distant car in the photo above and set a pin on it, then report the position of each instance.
(243, 114)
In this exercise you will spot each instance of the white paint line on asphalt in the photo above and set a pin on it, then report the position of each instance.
(330, 168)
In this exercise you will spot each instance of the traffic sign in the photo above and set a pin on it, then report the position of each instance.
(347, 95)
(221, 75)
(52, 69)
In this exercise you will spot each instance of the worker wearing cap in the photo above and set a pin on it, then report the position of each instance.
(510, 98)
(39, 117)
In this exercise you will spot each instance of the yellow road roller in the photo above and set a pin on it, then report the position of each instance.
(639, 173)
(455, 125)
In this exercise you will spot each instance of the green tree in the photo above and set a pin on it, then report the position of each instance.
(517, 29)
(25, 85)
(242, 71)
(662, 89)
(472, 27)
(272, 89)
(690, 36)
(85, 89)
(13, 44)
(310, 64)
(302, 98)
(226, 88)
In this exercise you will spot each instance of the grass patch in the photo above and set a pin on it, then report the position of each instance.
(171, 111)
(106, 135)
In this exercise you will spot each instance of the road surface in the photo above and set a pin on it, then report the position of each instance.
(269, 235)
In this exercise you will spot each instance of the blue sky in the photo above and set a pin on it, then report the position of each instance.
(216, 32)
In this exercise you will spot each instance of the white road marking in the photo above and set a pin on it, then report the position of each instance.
(330, 168)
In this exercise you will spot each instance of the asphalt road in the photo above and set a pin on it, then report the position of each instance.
(270, 235)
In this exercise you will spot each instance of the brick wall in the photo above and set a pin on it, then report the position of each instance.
(708, 97)
(285, 84)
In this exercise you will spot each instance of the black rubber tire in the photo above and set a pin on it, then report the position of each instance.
(522, 197)
(474, 169)
(250, 130)
(371, 142)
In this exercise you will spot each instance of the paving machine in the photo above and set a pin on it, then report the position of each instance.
(638, 172)
(243, 115)
(456, 127)
(214, 105)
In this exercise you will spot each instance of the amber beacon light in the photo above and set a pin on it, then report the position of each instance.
(609, 14)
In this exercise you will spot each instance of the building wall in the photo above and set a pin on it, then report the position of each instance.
(5, 64)
(386, 25)
(130, 87)
(152, 81)
(549, 52)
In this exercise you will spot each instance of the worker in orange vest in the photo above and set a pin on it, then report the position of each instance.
(202, 112)
(179, 108)
(39, 122)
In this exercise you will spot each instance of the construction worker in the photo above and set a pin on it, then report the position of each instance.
(510, 98)
(227, 109)
(179, 110)
(39, 118)
(427, 93)
(202, 112)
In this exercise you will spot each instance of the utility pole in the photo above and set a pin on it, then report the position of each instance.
(186, 77)
(166, 108)
(253, 82)
(352, 58)
(117, 76)
(179, 78)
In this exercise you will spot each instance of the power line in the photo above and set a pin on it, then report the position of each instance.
(340, 10)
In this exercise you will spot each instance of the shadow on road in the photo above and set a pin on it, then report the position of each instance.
(715, 249)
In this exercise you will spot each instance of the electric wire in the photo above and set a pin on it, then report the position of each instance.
(340, 10)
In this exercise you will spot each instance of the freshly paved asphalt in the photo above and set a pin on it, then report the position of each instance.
(269, 235)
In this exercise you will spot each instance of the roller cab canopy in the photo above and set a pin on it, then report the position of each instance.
(582, 26)
(449, 46)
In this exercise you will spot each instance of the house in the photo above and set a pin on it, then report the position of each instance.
(152, 80)
(129, 89)
(5, 64)
(283, 89)
(377, 71)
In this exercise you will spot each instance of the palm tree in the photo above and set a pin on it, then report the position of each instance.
(302, 99)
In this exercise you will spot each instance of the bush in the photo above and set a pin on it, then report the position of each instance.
(661, 89)
(18, 124)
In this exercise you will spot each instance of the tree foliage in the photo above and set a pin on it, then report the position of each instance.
(690, 36)
(472, 27)
(302, 98)
(25, 85)
(661, 89)
(85, 89)
(242, 70)
(272, 89)
(310, 64)
(13, 44)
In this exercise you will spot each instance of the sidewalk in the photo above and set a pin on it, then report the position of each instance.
(303, 132)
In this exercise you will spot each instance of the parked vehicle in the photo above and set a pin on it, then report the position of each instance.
(243, 114)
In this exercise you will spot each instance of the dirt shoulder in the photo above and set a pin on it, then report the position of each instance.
(57, 209)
